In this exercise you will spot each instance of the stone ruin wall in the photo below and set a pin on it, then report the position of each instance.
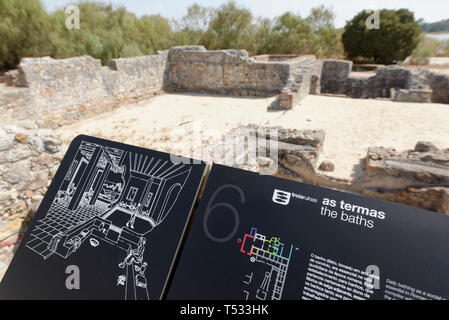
(60, 91)
(29, 158)
(233, 72)
(394, 82)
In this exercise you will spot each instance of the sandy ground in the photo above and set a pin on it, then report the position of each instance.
(176, 122)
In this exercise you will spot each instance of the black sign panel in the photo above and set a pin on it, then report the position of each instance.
(260, 237)
(109, 226)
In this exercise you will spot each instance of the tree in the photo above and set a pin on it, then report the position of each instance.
(231, 27)
(396, 38)
(291, 34)
(192, 28)
(325, 38)
(439, 26)
(321, 18)
(24, 31)
(197, 17)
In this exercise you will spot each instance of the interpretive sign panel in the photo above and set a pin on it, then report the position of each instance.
(261, 237)
(109, 226)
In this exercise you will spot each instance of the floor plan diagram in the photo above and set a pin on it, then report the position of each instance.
(273, 254)
(113, 197)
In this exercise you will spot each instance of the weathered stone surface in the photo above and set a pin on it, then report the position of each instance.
(12, 78)
(411, 95)
(334, 75)
(17, 172)
(426, 146)
(17, 153)
(314, 138)
(28, 124)
(10, 229)
(294, 155)
(21, 137)
(24, 175)
(417, 168)
(398, 83)
(36, 180)
(52, 144)
(6, 141)
(52, 85)
(62, 91)
(326, 166)
(13, 129)
(279, 147)
(439, 83)
(36, 143)
(233, 72)
(432, 198)
(7, 197)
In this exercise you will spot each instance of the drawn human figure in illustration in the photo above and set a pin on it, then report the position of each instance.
(130, 223)
(141, 269)
(117, 187)
(134, 255)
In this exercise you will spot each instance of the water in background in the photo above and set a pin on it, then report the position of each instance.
(438, 36)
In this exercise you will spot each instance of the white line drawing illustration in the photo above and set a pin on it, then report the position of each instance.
(115, 197)
(275, 256)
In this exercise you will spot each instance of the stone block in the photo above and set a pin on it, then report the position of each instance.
(411, 95)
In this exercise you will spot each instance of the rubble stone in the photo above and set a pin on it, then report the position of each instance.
(326, 166)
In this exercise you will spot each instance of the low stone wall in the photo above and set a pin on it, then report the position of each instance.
(418, 177)
(61, 91)
(232, 72)
(304, 79)
(439, 83)
(52, 89)
(334, 75)
(397, 83)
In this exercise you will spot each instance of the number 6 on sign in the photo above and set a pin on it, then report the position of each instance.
(211, 207)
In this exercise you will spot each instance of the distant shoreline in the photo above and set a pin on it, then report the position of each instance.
(438, 35)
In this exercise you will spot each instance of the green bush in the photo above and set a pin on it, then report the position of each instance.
(396, 38)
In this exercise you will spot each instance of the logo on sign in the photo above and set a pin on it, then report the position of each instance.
(281, 197)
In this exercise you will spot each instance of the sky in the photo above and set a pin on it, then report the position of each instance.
(429, 10)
